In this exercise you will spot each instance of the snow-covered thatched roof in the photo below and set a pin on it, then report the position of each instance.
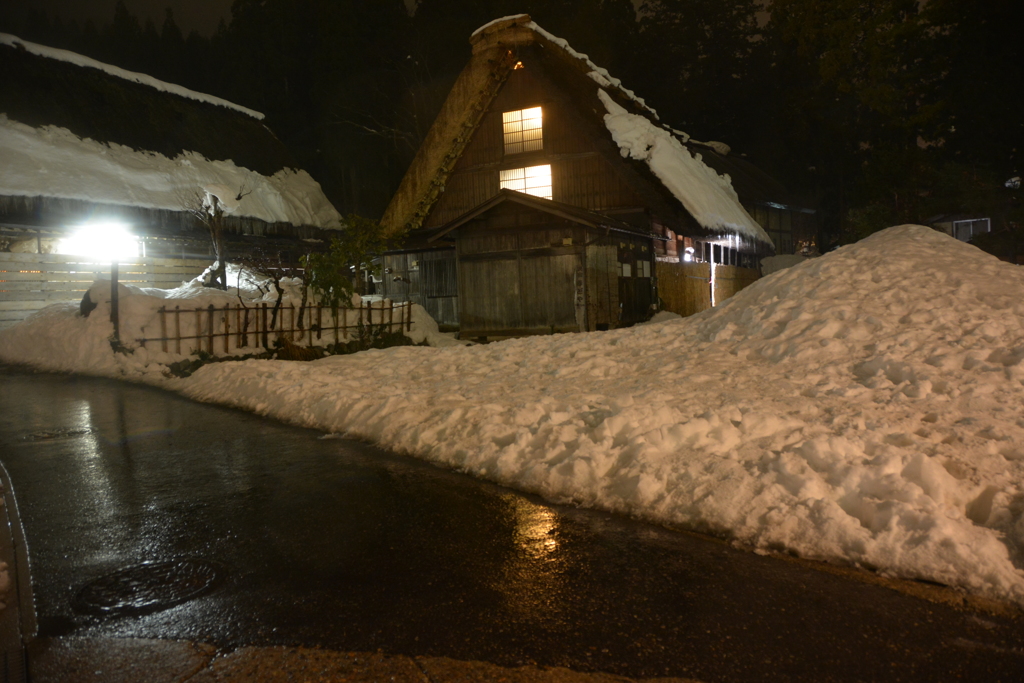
(76, 130)
(671, 167)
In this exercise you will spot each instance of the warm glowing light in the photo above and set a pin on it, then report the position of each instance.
(108, 241)
(535, 180)
(524, 130)
(519, 65)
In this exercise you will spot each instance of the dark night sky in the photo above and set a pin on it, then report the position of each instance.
(198, 15)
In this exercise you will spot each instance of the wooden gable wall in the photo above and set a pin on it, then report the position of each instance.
(582, 175)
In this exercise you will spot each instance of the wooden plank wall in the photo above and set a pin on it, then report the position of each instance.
(602, 286)
(29, 282)
(729, 280)
(685, 288)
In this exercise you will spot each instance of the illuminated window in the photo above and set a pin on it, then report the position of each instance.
(535, 180)
(524, 131)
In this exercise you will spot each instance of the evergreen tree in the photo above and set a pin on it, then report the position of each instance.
(698, 56)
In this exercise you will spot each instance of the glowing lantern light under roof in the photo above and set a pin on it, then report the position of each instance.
(106, 241)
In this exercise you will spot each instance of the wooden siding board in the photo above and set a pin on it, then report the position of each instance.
(547, 286)
(602, 286)
(490, 295)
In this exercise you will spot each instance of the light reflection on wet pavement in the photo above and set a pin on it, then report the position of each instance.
(332, 543)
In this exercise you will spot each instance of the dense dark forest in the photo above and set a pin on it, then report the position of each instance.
(877, 112)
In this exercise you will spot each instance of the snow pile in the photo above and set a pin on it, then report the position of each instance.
(773, 264)
(143, 79)
(862, 407)
(54, 162)
(59, 338)
(709, 197)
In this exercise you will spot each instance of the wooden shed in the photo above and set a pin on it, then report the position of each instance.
(555, 188)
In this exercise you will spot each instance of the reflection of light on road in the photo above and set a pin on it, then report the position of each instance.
(532, 579)
(535, 528)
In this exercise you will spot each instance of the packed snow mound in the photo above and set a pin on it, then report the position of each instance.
(773, 264)
(707, 196)
(54, 162)
(60, 338)
(863, 407)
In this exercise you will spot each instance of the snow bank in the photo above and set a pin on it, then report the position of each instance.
(143, 79)
(54, 162)
(773, 264)
(862, 407)
(58, 338)
(709, 197)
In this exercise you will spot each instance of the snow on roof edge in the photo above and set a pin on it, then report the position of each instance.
(135, 77)
(597, 73)
(710, 198)
(491, 23)
(54, 162)
(595, 70)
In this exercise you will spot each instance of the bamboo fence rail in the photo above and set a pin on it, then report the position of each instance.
(237, 327)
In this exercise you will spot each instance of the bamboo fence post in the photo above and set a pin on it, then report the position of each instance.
(391, 316)
(163, 328)
(115, 313)
(238, 324)
(209, 332)
(266, 344)
(177, 330)
(227, 329)
(344, 324)
(408, 316)
(199, 331)
(319, 321)
(244, 336)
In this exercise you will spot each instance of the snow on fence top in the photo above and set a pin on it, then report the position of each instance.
(54, 162)
(709, 197)
(143, 79)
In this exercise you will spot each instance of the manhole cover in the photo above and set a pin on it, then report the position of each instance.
(147, 587)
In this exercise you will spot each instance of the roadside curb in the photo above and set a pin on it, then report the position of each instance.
(127, 660)
(18, 617)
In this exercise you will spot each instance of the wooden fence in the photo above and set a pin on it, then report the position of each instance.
(29, 282)
(234, 328)
(685, 288)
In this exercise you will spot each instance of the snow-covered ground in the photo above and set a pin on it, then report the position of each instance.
(862, 407)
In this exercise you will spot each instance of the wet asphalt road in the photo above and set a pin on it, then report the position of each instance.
(327, 542)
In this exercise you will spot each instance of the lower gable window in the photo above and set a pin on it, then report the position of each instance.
(535, 180)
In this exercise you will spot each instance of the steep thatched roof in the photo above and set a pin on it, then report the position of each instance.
(595, 96)
(92, 103)
(74, 129)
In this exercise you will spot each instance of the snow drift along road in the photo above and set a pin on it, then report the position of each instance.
(865, 406)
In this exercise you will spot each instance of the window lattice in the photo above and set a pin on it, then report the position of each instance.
(535, 180)
(524, 130)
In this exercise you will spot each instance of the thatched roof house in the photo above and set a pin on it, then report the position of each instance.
(649, 166)
(81, 140)
(530, 114)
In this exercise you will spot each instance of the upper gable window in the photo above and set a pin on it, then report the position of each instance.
(524, 130)
(535, 180)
